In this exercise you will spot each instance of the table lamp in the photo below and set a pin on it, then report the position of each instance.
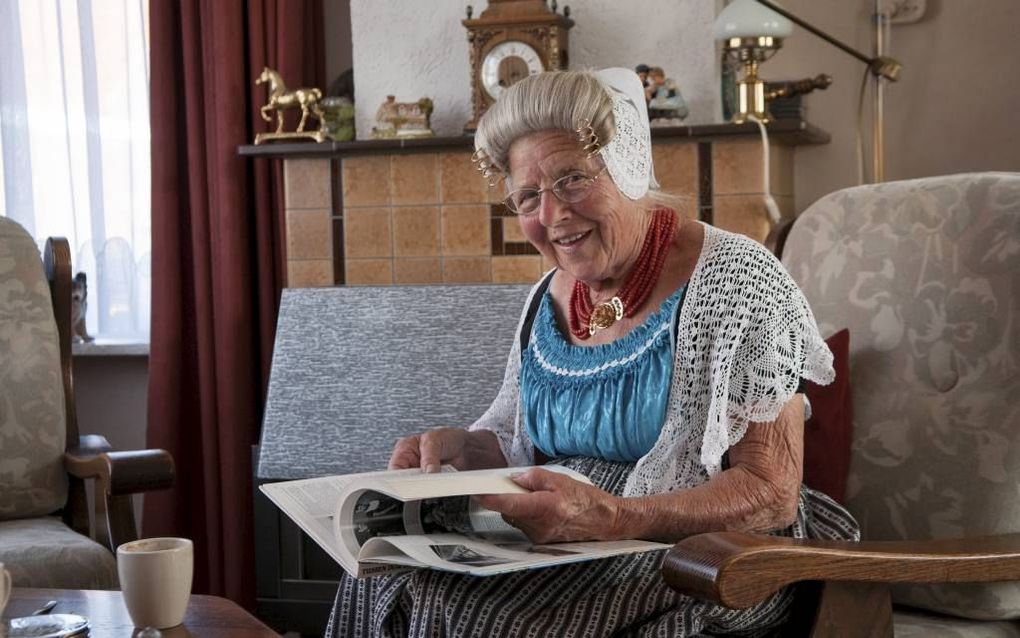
(751, 33)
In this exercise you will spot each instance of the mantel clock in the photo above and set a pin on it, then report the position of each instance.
(510, 40)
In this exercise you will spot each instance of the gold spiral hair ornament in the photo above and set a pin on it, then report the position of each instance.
(490, 172)
(588, 138)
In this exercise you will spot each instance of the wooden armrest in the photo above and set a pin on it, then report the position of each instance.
(118, 475)
(740, 570)
(123, 472)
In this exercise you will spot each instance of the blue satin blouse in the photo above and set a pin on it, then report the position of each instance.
(606, 401)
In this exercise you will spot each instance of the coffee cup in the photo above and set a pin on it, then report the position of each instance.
(155, 580)
(5, 588)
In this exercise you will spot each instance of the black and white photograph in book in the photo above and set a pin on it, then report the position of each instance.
(376, 514)
(463, 555)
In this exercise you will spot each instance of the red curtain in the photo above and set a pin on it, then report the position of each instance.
(217, 263)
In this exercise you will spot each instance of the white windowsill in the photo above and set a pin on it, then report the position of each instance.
(111, 348)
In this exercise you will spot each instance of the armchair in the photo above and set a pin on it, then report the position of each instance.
(925, 275)
(46, 537)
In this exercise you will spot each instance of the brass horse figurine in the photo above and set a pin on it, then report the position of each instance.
(281, 99)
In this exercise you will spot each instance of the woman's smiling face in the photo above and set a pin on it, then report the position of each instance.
(597, 239)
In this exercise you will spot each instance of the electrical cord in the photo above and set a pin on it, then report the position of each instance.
(770, 202)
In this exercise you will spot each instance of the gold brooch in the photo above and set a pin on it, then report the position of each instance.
(604, 315)
(588, 138)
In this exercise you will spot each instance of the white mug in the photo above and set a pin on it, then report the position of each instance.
(155, 580)
(5, 588)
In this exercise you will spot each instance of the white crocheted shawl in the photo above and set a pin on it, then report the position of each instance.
(746, 337)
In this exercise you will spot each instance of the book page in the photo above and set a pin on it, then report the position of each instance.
(312, 504)
(384, 505)
(461, 515)
(417, 533)
(307, 502)
(456, 553)
(379, 522)
(495, 481)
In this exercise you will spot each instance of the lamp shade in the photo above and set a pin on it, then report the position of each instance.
(748, 19)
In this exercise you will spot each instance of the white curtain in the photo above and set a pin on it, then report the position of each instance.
(74, 144)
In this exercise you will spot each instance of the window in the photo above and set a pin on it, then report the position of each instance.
(74, 145)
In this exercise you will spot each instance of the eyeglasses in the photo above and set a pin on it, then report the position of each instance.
(570, 189)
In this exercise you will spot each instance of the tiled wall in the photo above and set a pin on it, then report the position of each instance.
(309, 227)
(429, 217)
(415, 219)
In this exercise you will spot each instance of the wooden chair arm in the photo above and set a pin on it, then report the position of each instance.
(118, 475)
(123, 472)
(740, 570)
(57, 266)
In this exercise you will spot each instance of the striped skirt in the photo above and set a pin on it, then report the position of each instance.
(621, 596)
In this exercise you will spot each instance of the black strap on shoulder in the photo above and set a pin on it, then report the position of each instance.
(529, 317)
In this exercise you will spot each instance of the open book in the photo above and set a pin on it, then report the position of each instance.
(380, 522)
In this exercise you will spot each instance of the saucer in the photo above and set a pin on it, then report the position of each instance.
(48, 626)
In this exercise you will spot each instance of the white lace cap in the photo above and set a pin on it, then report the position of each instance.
(628, 156)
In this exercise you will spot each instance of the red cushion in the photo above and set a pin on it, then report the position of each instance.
(828, 432)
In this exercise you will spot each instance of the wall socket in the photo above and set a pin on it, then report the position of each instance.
(903, 11)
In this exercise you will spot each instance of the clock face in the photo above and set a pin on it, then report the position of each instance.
(506, 63)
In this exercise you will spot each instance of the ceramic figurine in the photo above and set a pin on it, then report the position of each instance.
(666, 106)
(403, 119)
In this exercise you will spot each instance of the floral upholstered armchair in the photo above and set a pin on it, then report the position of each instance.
(46, 539)
(926, 276)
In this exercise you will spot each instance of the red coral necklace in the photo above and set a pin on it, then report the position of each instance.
(587, 318)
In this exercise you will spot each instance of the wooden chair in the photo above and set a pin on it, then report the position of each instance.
(46, 537)
(924, 274)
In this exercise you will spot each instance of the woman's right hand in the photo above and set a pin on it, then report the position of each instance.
(429, 450)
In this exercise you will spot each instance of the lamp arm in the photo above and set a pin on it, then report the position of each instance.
(886, 67)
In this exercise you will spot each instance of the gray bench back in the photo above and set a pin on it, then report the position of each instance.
(356, 368)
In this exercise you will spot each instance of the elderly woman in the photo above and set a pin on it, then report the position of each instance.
(661, 357)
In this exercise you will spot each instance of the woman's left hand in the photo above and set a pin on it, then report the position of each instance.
(558, 509)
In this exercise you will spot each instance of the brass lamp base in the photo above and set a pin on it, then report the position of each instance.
(751, 100)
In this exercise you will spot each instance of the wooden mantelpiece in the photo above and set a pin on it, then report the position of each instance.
(384, 212)
(790, 132)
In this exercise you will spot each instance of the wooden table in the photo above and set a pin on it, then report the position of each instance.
(206, 617)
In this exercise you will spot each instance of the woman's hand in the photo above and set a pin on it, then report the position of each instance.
(460, 448)
(558, 509)
(431, 449)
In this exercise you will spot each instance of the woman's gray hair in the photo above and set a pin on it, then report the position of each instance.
(563, 100)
